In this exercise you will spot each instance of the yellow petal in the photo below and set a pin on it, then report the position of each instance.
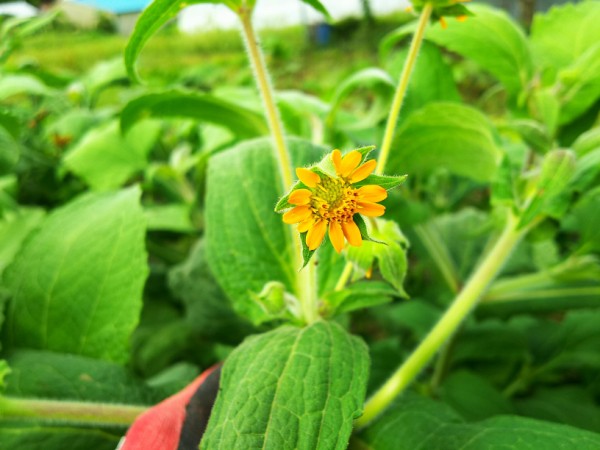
(461, 18)
(300, 197)
(372, 193)
(305, 226)
(336, 159)
(308, 177)
(352, 233)
(363, 171)
(315, 235)
(350, 162)
(443, 23)
(371, 209)
(297, 214)
(336, 236)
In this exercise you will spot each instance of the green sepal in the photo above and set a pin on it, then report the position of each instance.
(385, 181)
(307, 253)
(364, 230)
(283, 202)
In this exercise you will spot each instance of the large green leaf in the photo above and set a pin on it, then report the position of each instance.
(446, 136)
(493, 41)
(77, 283)
(290, 388)
(415, 423)
(152, 19)
(247, 244)
(564, 33)
(10, 151)
(202, 107)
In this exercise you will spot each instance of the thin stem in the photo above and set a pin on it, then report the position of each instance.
(439, 253)
(71, 412)
(266, 90)
(407, 70)
(344, 277)
(448, 324)
(306, 280)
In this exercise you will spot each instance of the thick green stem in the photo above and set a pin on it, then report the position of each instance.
(306, 278)
(80, 413)
(407, 70)
(447, 325)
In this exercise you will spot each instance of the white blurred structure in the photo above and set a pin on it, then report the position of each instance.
(21, 10)
(279, 13)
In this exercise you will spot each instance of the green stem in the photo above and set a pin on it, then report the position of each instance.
(344, 277)
(80, 413)
(266, 91)
(439, 253)
(448, 324)
(407, 70)
(306, 283)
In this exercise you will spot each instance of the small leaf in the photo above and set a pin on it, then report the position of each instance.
(273, 383)
(318, 6)
(359, 295)
(151, 20)
(557, 170)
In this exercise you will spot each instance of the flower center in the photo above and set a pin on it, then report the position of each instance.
(334, 199)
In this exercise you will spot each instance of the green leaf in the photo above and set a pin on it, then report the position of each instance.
(359, 295)
(587, 142)
(48, 375)
(431, 81)
(290, 388)
(578, 85)
(318, 6)
(587, 171)
(494, 41)
(374, 79)
(464, 390)
(571, 405)
(29, 437)
(244, 122)
(557, 170)
(77, 283)
(174, 217)
(449, 136)
(207, 309)
(150, 21)
(106, 159)
(11, 85)
(389, 249)
(576, 26)
(419, 423)
(14, 228)
(10, 150)
(585, 219)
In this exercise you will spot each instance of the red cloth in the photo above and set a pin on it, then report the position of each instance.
(160, 427)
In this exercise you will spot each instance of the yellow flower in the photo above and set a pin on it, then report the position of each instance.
(330, 203)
